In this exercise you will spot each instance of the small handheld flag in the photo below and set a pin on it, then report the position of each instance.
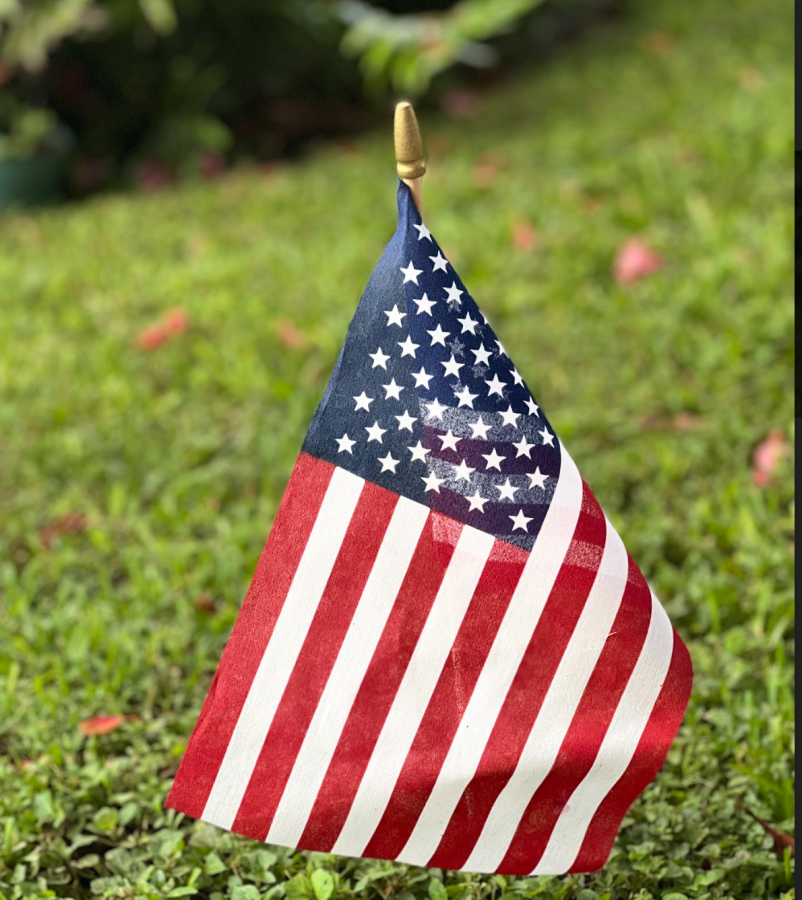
(446, 655)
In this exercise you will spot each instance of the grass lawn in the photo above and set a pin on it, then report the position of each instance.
(137, 488)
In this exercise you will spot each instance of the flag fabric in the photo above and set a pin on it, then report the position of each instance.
(446, 655)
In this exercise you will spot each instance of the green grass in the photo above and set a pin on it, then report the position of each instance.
(178, 458)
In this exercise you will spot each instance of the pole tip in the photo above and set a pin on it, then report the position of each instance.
(410, 163)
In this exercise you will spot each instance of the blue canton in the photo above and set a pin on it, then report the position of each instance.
(425, 401)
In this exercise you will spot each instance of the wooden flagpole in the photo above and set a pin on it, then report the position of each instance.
(410, 163)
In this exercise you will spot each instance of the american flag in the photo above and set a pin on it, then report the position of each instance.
(446, 655)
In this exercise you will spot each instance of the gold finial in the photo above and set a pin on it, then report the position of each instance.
(410, 163)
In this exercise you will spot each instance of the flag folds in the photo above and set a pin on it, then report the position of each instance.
(446, 655)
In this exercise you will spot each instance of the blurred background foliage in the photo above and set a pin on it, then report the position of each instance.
(142, 91)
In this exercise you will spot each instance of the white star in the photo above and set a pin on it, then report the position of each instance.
(422, 378)
(405, 421)
(394, 316)
(465, 397)
(537, 478)
(363, 402)
(479, 429)
(532, 407)
(547, 438)
(419, 452)
(436, 409)
(392, 390)
(411, 273)
(379, 359)
(477, 502)
(345, 444)
(424, 304)
(438, 336)
(375, 433)
(495, 384)
(482, 356)
(451, 367)
(521, 521)
(449, 440)
(468, 324)
(463, 470)
(440, 262)
(432, 483)
(510, 417)
(516, 377)
(523, 448)
(493, 460)
(506, 491)
(388, 463)
(454, 294)
(407, 347)
(423, 232)
(501, 350)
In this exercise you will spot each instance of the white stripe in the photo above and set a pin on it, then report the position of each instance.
(356, 652)
(415, 690)
(618, 747)
(283, 648)
(559, 706)
(509, 646)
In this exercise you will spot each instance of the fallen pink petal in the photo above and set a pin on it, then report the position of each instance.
(100, 725)
(636, 259)
(768, 454)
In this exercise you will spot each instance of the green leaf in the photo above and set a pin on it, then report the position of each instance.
(42, 806)
(160, 14)
(437, 890)
(246, 892)
(299, 887)
(105, 820)
(213, 865)
(322, 884)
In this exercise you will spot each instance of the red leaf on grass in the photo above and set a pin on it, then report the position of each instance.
(635, 259)
(70, 523)
(152, 337)
(289, 335)
(205, 603)
(524, 236)
(767, 456)
(781, 839)
(100, 725)
(176, 321)
(172, 323)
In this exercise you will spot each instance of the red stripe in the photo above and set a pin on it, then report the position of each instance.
(529, 687)
(646, 763)
(246, 646)
(315, 661)
(588, 728)
(380, 684)
(447, 705)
